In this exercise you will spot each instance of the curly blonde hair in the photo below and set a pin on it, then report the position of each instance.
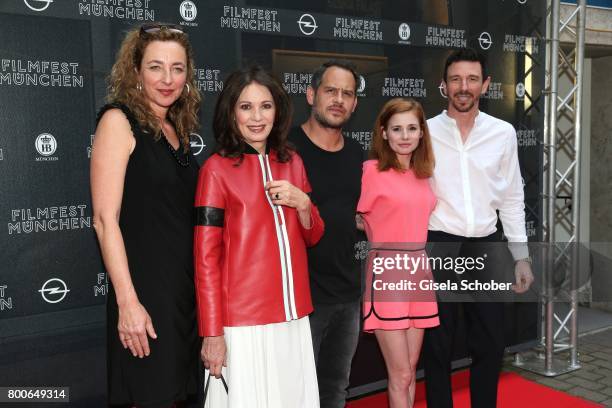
(123, 84)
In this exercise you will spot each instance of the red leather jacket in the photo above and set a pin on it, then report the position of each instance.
(250, 255)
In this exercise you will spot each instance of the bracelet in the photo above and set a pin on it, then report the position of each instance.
(529, 260)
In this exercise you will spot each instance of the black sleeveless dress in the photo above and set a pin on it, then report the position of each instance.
(156, 222)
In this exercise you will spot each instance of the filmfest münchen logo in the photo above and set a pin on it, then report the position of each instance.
(296, 82)
(101, 288)
(37, 5)
(484, 40)
(89, 148)
(54, 290)
(363, 137)
(250, 19)
(45, 144)
(6, 302)
(307, 24)
(209, 79)
(404, 87)
(48, 219)
(494, 92)
(526, 138)
(188, 10)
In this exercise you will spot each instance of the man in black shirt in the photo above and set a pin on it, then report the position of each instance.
(333, 165)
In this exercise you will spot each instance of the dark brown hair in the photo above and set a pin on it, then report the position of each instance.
(230, 142)
(123, 84)
(317, 75)
(466, 54)
(422, 159)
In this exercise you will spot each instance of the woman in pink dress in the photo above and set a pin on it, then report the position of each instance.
(394, 207)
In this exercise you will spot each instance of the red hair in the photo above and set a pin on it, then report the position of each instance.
(422, 159)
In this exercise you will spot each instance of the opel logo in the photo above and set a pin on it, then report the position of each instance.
(40, 5)
(54, 290)
(197, 144)
(307, 24)
(442, 89)
(485, 40)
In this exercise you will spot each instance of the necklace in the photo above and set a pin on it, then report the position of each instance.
(183, 163)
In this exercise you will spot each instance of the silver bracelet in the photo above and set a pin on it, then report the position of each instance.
(528, 260)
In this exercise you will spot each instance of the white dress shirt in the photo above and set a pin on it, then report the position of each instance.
(474, 179)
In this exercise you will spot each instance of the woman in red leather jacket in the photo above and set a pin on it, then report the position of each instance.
(254, 221)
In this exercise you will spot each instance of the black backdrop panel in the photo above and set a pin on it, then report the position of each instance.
(46, 104)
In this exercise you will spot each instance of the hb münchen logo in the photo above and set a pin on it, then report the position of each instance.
(404, 31)
(188, 10)
(45, 144)
(362, 84)
(520, 90)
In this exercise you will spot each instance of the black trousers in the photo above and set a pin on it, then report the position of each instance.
(335, 333)
(485, 337)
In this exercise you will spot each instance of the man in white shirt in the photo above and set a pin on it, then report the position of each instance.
(477, 174)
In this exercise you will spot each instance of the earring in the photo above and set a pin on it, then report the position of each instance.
(139, 86)
(188, 89)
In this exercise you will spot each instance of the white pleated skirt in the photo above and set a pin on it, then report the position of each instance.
(268, 366)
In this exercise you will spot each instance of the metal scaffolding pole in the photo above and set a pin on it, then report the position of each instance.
(563, 119)
(552, 194)
(579, 63)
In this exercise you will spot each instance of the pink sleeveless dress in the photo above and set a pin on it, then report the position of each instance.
(396, 206)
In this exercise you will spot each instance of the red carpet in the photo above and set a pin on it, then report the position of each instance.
(514, 391)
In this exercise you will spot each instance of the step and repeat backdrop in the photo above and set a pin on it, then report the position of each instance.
(55, 57)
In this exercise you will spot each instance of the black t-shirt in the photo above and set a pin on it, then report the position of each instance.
(335, 178)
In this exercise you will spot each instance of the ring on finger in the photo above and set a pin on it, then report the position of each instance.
(277, 196)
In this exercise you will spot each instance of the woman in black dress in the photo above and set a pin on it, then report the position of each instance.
(143, 181)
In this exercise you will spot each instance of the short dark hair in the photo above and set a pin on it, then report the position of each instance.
(230, 142)
(466, 54)
(317, 75)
